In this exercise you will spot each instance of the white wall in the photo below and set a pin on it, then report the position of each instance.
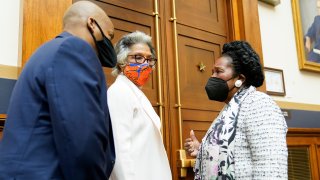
(9, 32)
(279, 51)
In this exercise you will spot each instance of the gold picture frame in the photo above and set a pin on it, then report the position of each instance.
(274, 81)
(300, 15)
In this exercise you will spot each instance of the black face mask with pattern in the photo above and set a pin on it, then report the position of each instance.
(217, 89)
(107, 55)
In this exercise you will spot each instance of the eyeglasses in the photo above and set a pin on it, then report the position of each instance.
(141, 59)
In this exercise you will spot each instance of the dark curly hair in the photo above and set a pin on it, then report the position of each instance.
(244, 61)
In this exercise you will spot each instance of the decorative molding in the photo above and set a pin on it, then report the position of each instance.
(306, 132)
(298, 106)
(9, 72)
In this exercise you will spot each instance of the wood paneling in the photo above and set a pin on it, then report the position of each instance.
(142, 6)
(127, 20)
(42, 21)
(308, 139)
(9, 72)
(207, 15)
(192, 52)
(245, 25)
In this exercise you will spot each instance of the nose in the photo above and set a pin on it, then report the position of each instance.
(214, 74)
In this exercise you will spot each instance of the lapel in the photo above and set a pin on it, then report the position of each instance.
(143, 101)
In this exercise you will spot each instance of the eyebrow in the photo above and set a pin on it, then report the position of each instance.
(141, 54)
(218, 68)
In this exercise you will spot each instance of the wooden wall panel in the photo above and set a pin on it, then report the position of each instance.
(42, 21)
(192, 52)
(128, 20)
(246, 26)
(143, 6)
(310, 139)
(207, 15)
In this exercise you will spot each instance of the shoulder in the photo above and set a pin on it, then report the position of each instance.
(259, 98)
(68, 42)
(259, 107)
(72, 50)
(64, 46)
(120, 93)
(258, 103)
(120, 88)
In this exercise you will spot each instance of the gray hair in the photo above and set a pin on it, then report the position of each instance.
(123, 46)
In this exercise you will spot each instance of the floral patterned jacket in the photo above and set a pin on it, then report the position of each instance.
(258, 148)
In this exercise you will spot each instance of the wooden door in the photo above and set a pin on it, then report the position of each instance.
(200, 29)
(303, 153)
(187, 35)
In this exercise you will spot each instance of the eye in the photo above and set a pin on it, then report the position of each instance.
(139, 58)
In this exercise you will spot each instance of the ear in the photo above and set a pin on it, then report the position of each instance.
(91, 24)
(242, 78)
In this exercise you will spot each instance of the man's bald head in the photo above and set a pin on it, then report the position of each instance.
(79, 12)
(84, 20)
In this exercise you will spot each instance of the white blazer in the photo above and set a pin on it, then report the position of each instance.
(140, 153)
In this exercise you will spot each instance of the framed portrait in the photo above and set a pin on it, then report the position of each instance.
(274, 81)
(306, 19)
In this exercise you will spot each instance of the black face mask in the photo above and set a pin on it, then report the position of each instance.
(217, 89)
(107, 55)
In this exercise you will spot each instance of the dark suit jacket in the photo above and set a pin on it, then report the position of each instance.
(58, 124)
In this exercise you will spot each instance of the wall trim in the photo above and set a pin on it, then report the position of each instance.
(307, 132)
(3, 116)
(9, 72)
(298, 106)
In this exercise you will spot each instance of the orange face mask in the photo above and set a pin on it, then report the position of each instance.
(137, 73)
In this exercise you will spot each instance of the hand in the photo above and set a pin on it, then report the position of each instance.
(192, 144)
(308, 44)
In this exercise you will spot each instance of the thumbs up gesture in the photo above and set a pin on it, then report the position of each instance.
(192, 144)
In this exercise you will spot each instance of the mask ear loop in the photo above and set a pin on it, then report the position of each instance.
(104, 36)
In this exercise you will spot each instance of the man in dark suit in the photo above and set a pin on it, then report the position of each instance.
(58, 124)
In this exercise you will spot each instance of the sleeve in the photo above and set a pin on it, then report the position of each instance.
(311, 33)
(78, 118)
(122, 111)
(266, 132)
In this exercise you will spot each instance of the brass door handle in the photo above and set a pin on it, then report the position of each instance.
(183, 163)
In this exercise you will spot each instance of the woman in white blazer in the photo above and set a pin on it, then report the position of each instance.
(140, 153)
